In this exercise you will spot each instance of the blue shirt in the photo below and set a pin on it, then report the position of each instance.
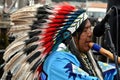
(62, 65)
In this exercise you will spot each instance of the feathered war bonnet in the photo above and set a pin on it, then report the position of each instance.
(50, 26)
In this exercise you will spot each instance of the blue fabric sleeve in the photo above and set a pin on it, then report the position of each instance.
(63, 68)
(96, 47)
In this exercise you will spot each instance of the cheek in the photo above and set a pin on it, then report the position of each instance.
(83, 45)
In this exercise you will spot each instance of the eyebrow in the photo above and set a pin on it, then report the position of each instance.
(87, 26)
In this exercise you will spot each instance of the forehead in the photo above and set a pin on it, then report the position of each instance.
(88, 24)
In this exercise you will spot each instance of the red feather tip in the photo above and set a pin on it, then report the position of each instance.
(64, 7)
(57, 20)
(60, 17)
(54, 25)
(47, 40)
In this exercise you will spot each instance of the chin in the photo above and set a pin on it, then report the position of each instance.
(86, 49)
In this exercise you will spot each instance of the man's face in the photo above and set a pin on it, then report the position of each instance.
(85, 38)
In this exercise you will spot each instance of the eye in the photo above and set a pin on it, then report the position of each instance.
(85, 30)
(88, 29)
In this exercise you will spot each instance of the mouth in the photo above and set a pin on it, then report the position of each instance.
(88, 41)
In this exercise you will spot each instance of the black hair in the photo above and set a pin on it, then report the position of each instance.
(80, 28)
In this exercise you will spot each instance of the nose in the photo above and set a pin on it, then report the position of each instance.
(89, 32)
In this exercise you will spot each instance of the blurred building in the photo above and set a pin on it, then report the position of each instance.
(96, 10)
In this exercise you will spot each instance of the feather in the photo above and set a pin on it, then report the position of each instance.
(22, 57)
(18, 45)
